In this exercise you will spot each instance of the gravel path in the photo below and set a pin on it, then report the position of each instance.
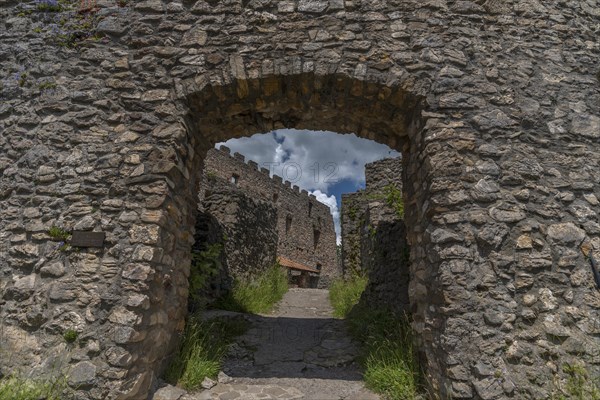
(297, 352)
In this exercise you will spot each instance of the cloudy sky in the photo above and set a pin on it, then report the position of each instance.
(326, 164)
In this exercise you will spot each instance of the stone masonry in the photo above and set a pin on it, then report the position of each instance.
(374, 237)
(362, 211)
(242, 227)
(494, 105)
(304, 225)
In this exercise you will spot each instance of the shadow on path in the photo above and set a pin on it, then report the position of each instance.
(299, 351)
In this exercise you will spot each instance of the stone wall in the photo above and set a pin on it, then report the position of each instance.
(363, 211)
(352, 216)
(386, 262)
(374, 237)
(494, 106)
(304, 225)
(245, 227)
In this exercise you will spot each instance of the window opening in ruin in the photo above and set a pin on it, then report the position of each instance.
(310, 206)
(316, 236)
(275, 197)
(234, 179)
(319, 266)
(288, 224)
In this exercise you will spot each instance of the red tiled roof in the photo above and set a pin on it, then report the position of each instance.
(286, 262)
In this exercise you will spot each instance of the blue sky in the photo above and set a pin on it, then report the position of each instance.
(326, 164)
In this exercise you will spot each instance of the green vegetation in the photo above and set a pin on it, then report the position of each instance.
(257, 295)
(14, 387)
(393, 198)
(372, 231)
(345, 294)
(579, 386)
(211, 175)
(70, 335)
(352, 212)
(61, 236)
(46, 85)
(58, 234)
(23, 79)
(390, 364)
(205, 264)
(48, 6)
(202, 349)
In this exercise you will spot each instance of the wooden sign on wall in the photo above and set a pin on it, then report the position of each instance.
(87, 239)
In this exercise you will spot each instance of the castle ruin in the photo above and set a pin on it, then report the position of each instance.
(494, 106)
(305, 240)
(374, 240)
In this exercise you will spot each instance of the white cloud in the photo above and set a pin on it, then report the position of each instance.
(313, 160)
(324, 158)
(335, 212)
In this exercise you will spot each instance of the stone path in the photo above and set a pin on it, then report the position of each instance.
(297, 352)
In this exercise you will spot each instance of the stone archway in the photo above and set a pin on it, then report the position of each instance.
(500, 165)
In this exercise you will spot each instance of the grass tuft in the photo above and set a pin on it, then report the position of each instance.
(390, 363)
(202, 348)
(258, 295)
(345, 294)
(14, 387)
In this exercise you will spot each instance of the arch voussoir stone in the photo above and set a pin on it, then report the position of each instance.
(495, 110)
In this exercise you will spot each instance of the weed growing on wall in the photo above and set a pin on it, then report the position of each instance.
(70, 335)
(258, 295)
(205, 264)
(345, 294)
(393, 198)
(48, 5)
(202, 348)
(61, 236)
(579, 384)
(65, 23)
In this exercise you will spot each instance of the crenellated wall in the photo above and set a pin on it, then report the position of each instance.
(304, 225)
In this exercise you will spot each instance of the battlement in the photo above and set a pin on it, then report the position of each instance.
(254, 166)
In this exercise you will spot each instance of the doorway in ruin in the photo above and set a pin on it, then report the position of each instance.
(295, 197)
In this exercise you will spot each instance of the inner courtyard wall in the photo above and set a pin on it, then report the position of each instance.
(304, 225)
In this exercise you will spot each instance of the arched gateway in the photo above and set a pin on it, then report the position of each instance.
(494, 106)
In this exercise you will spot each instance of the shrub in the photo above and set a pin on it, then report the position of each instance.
(345, 294)
(202, 348)
(258, 295)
